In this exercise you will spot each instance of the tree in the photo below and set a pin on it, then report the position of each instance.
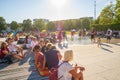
(27, 25)
(78, 24)
(65, 24)
(117, 10)
(3, 25)
(86, 23)
(74, 23)
(51, 26)
(14, 25)
(107, 15)
(39, 24)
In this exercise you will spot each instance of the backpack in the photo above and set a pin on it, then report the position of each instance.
(53, 73)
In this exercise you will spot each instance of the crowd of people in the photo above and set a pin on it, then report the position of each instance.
(46, 56)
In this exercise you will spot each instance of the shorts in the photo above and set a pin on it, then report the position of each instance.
(14, 52)
(92, 36)
(108, 37)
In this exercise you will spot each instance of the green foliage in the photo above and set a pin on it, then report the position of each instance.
(107, 15)
(86, 23)
(39, 24)
(117, 9)
(109, 18)
(67, 25)
(14, 25)
(76, 23)
(104, 27)
(3, 25)
(51, 26)
(27, 25)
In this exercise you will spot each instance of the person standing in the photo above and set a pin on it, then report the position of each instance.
(64, 35)
(99, 42)
(93, 36)
(60, 37)
(109, 34)
(72, 35)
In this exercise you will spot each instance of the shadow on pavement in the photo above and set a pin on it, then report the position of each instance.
(106, 49)
(106, 45)
(117, 44)
(3, 65)
(34, 73)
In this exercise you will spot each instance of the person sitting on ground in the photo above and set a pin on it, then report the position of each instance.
(40, 61)
(33, 43)
(41, 43)
(44, 49)
(52, 56)
(66, 71)
(14, 49)
(59, 54)
(5, 56)
(28, 41)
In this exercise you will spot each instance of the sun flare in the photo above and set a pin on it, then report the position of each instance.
(58, 3)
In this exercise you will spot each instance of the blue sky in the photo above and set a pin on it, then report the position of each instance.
(18, 10)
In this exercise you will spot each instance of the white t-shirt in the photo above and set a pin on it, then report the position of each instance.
(12, 47)
(33, 44)
(109, 32)
(63, 70)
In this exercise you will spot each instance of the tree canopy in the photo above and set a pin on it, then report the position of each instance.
(108, 18)
(14, 25)
(39, 24)
(27, 25)
(3, 25)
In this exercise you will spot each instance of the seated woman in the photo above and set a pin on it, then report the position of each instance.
(14, 50)
(66, 71)
(40, 61)
(4, 53)
(34, 42)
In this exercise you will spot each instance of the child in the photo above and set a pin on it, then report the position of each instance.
(99, 42)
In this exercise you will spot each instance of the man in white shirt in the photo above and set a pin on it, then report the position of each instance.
(109, 35)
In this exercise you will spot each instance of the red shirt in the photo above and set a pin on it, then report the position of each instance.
(2, 53)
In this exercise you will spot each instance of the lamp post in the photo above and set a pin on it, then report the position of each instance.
(95, 9)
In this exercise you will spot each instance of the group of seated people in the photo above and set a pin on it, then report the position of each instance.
(46, 56)
(9, 50)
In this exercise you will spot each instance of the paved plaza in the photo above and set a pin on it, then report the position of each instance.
(100, 63)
